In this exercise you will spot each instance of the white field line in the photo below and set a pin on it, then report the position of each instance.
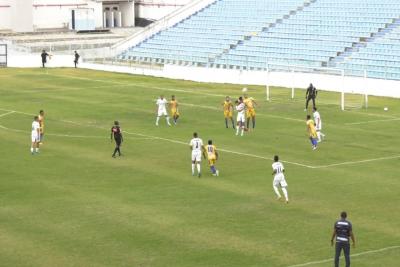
(8, 113)
(71, 136)
(357, 162)
(373, 114)
(231, 151)
(352, 256)
(144, 85)
(367, 122)
(54, 89)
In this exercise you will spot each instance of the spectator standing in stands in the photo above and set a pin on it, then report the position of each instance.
(311, 94)
(44, 56)
(76, 60)
(343, 231)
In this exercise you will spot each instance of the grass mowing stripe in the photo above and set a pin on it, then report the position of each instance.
(226, 150)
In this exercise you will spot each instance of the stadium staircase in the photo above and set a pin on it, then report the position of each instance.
(266, 27)
(379, 55)
(362, 43)
(354, 35)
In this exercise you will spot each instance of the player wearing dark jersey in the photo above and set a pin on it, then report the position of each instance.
(311, 94)
(342, 233)
(44, 56)
(116, 132)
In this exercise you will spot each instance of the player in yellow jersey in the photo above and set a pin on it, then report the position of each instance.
(212, 156)
(174, 109)
(228, 111)
(41, 123)
(250, 111)
(312, 132)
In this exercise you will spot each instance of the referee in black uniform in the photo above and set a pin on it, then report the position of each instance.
(342, 232)
(311, 94)
(117, 134)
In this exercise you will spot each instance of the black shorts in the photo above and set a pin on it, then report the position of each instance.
(118, 141)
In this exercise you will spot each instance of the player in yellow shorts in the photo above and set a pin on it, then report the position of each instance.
(41, 123)
(228, 111)
(174, 109)
(312, 132)
(250, 111)
(212, 156)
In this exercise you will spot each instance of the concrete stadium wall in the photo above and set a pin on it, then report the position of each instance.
(35, 61)
(47, 14)
(5, 14)
(57, 14)
(157, 9)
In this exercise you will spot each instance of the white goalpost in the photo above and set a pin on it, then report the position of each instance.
(352, 92)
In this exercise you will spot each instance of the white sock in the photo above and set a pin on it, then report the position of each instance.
(285, 193)
(319, 136)
(198, 167)
(277, 191)
(167, 119)
(158, 118)
(237, 130)
(192, 168)
(31, 149)
(242, 131)
(37, 149)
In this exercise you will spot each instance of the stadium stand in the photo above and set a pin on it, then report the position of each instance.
(65, 41)
(355, 35)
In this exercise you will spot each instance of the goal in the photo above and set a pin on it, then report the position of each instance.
(3, 55)
(297, 79)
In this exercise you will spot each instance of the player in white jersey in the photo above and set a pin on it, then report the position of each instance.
(318, 124)
(162, 109)
(279, 179)
(197, 147)
(35, 135)
(241, 116)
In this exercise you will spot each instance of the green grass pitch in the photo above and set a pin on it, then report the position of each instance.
(74, 205)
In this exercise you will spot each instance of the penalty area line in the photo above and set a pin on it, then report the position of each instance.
(6, 114)
(366, 122)
(356, 162)
(352, 256)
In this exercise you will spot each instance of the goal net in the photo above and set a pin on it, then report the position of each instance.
(298, 78)
(3, 55)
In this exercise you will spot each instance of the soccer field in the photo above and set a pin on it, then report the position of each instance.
(75, 205)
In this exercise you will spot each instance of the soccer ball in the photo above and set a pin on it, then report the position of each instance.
(385, 108)
(244, 90)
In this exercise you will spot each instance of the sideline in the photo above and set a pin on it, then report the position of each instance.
(351, 256)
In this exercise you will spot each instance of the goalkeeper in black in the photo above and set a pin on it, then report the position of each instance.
(116, 133)
(311, 94)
